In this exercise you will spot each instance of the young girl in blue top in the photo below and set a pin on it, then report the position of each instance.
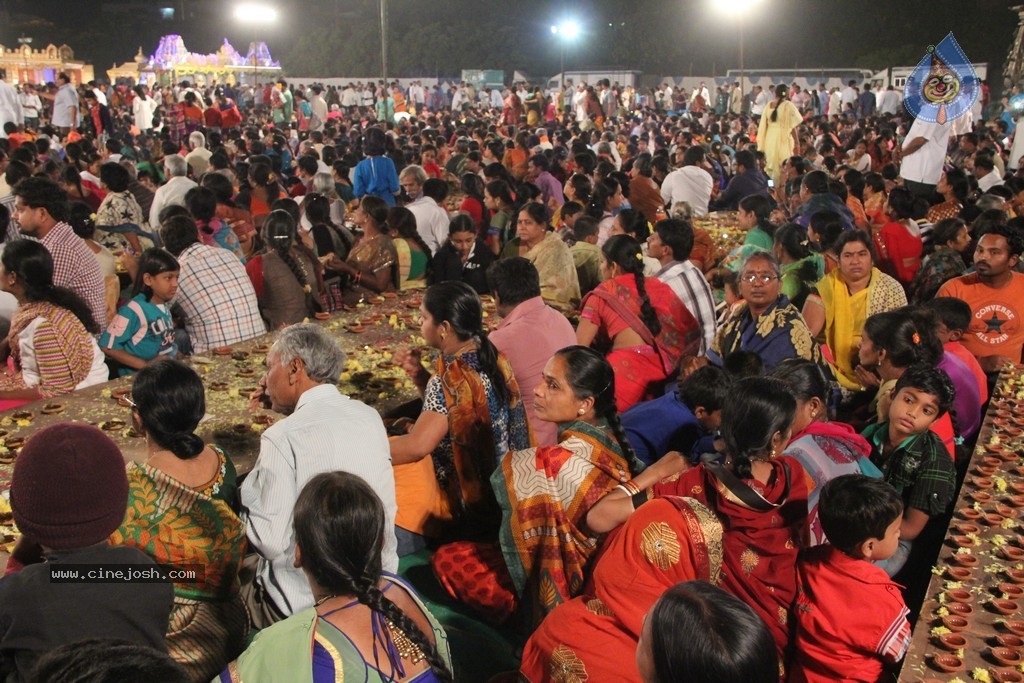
(376, 174)
(142, 330)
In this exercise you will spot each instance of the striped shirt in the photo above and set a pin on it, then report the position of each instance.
(327, 432)
(217, 297)
(77, 268)
(693, 290)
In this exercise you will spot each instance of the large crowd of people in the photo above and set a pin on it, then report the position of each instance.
(666, 461)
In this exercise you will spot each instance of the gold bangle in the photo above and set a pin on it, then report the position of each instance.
(631, 487)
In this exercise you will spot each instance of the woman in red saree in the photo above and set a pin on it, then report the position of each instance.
(758, 497)
(545, 493)
(648, 327)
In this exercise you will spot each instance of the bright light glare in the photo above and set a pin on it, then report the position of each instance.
(569, 29)
(252, 13)
(735, 7)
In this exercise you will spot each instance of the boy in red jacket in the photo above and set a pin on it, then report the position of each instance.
(851, 618)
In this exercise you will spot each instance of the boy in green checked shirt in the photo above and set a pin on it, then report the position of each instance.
(912, 458)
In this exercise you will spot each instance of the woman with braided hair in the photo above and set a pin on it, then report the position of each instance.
(544, 545)
(366, 624)
(639, 320)
(287, 278)
(413, 252)
(738, 525)
(472, 416)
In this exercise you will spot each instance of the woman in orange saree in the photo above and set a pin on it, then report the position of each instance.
(758, 498)
(545, 493)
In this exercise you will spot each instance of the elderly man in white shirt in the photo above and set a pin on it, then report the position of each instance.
(199, 157)
(691, 183)
(174, 190)
(431, 220)
(324, 431)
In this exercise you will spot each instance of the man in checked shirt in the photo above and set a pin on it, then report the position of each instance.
(41, 209)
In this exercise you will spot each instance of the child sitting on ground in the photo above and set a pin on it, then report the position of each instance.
(850, 618)
(912, 458)
(678, 420)
(143, 330)
(954, 318)
(586, 255)
(566, 219)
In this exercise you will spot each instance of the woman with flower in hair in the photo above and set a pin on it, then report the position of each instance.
(287, 278)
(639, 321)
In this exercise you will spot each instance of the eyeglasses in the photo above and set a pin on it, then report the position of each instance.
(762, 278)
(127, 402)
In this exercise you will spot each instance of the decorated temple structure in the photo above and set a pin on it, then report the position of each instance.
(25, 65)
(172, 63)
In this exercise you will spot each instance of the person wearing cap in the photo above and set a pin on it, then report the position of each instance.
(69, 493)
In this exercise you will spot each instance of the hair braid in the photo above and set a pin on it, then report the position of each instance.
(620, 435)
(489, 363)
(650, 317)
(426, 250)
(374, 598)
(293, 265)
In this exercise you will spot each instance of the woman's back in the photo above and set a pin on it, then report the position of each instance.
(285, 300)
(341, 644)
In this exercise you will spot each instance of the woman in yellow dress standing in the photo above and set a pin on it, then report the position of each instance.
(777, 133)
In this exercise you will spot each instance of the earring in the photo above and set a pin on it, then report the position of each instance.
(772, 454)
(580, 411)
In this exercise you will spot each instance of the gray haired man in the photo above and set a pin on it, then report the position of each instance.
(324, 431)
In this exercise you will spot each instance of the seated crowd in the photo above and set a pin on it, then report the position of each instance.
(666, 461)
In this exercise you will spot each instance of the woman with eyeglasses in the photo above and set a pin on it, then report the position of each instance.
(765, 322)
(180, 513)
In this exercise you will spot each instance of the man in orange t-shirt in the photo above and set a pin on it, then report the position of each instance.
(995, 294)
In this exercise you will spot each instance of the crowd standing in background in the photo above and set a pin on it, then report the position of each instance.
(661, 436)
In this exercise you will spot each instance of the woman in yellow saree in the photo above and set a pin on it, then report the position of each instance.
(835, 311)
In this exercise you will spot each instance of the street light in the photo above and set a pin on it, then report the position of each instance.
(567, 31)
(384, 48)
(739, 9)
(255, 14)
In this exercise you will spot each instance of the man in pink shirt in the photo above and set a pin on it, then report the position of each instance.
(529, 333)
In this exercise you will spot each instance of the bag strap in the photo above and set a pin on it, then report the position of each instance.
(745, 493)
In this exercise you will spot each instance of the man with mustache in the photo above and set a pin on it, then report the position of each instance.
(995, 294)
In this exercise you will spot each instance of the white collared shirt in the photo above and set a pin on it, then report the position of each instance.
(328, 432)
(431, 221)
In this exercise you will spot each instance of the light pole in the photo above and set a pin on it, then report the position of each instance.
(564, 32)
(740, 10)
(255, 14)
(384, 45)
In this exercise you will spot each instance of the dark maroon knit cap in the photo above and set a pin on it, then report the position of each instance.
(69, 488)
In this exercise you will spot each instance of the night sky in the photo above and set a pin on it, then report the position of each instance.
(341, 37)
